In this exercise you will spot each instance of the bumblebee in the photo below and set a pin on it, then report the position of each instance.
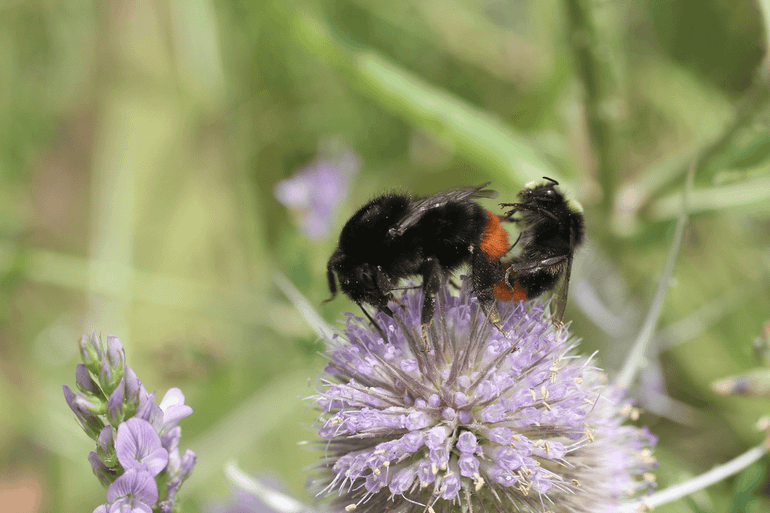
(397, 236)
(551, 230)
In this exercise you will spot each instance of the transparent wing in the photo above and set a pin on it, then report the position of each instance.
(421, 206)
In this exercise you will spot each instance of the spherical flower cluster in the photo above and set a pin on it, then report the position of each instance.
(472, 419)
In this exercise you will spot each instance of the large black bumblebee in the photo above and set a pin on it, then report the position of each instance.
(397, 236)
(551, 231)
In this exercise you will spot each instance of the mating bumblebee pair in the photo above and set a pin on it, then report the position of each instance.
(397, 236)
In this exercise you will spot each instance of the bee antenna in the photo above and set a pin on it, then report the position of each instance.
(551, 180)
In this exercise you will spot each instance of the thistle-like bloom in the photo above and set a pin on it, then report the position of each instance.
(473, 420)
(137, 441)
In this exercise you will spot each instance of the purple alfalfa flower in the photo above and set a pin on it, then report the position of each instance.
(133, 492)
(472, 419)
(133, 435)
(315, 191)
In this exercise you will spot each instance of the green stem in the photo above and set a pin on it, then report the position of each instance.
(636, 357)
(594, 74)
(704, 480)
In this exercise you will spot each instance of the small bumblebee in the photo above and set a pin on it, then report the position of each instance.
(397, 236)
(551, 230)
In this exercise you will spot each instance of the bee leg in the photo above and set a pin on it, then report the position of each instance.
(485, 273)
(399, 303)
(431, 283)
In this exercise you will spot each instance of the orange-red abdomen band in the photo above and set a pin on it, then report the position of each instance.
(494, 242)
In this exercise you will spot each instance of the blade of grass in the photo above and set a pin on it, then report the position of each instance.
(749, 196)
(476, 135)
(636, 356)
(304, 307)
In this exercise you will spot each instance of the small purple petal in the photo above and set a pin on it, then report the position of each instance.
(106, 374)
(412, 441)
(89, 405)
(402, 481)
(90, 351)
(417, 420)
(450, 486)
(467, 443)
(493, 413)
(84, 381)
(69, 396)
(104, 474)
(115, 404)
(133, 388)
(138, 446)
(106, 441)
(188, 463)
(469, 465)
(136, 488)
(148, 410)
(174, 408)
(437, 436)
(170, 441)
(116, 355)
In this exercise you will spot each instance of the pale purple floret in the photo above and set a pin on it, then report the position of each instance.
(474, 420)
(138, 447)
(134, 492)
(174, 409)
(315, 191)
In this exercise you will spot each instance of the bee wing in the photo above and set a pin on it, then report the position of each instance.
(419, 207)
(560, 294)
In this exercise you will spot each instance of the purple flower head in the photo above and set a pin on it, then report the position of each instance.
(473, 420)
(138, 447)
(315, 191)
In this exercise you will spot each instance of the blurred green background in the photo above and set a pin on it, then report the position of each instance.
(140, 143)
